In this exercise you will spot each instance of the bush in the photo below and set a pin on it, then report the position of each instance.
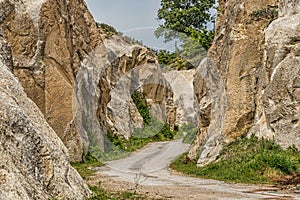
(190, 130)
(107, 28)
(84, 167)
(173, 60)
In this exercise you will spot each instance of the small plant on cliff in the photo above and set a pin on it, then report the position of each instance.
(141, 104)
(248, 160)
(270, 13)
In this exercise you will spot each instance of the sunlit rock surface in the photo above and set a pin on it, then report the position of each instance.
(182, 85)
(34, 163)
(278, 113)
(80, 78)
(249, 82)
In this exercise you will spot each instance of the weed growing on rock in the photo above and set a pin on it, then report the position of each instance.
(269, 13)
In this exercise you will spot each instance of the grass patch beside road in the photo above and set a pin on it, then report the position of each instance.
(86, 170)
(100, 194)
(154, 133)
(246, 160)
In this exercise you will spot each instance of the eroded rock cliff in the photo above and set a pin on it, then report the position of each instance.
(80, 78)
(182, 85)
(248, 84)
(107, 80)
(34, 161)
(278, 110)
(48, 40)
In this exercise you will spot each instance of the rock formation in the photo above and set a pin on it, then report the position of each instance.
(115, 70)
(48, 40)
(278, 110)
(34, 161)
(75, 78)
(182, 85)
(249, 82)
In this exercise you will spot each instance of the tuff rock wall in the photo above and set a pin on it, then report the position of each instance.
(48, 40)
(249, 82)
(34, 163)
(70, 69)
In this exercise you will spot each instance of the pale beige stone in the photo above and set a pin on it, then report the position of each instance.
(34, 163)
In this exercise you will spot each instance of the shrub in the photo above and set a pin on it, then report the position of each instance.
(173, 60)
(269, 13)
(107, 28)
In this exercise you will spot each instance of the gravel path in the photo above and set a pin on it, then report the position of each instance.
(146, 171)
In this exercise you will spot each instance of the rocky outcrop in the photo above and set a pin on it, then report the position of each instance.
(182, 85)
(239, 84)
(104, 93)
(81, 84)
(134, 69)
(48, 40)
(34, 161)
(278, 110)
(202, 106)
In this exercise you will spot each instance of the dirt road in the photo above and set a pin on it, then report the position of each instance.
(147, 172)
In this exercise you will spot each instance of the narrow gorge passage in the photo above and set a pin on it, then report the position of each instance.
(146, 171)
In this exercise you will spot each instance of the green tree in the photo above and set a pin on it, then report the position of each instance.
(186, 16)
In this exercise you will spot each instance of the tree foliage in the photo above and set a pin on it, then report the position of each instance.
(186, 16)
(107, 28)
(188, 56)
(173, 61)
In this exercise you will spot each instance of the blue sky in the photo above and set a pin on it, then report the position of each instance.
(136, 18)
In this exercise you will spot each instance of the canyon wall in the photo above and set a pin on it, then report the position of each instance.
(34, 161)
(81, 78)
(48, 40)
(105, 83)
(181, 83)
(249, 82)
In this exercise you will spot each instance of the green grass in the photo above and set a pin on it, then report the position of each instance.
(141, 104)
(246, 161)
(100, 194)
(155, 132)
(85, 168)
